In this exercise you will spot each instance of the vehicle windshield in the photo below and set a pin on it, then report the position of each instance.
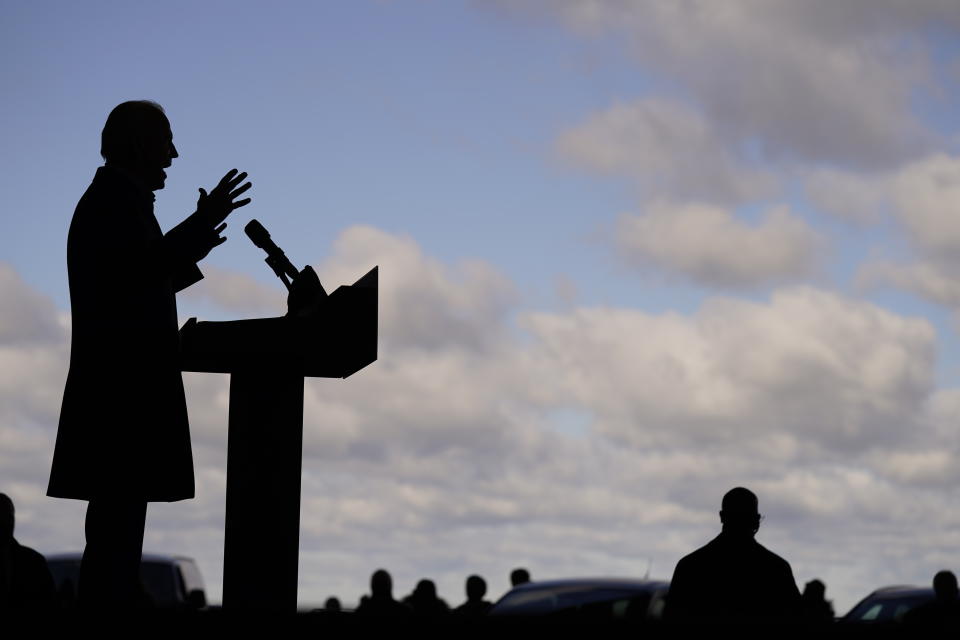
(606, 602)
(889, 609)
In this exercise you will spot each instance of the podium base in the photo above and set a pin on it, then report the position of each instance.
(264, 454)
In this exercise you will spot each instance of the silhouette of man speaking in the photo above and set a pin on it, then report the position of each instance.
(733, 578)
(123, 438)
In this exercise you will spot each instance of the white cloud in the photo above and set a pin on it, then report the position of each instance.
(26, 317)
(236, 293)
(814, 81)
(926, 198)
(668, 148)
(927, 280)
(422, 302)
(808, 369)
(922, 196)
(856, 197)
(709, 245)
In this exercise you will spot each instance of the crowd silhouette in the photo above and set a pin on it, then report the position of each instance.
(732, 580)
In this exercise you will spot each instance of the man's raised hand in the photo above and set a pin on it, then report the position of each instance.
(219, 203)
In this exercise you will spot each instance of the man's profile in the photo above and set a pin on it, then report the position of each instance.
(733, 578)
(123, 439)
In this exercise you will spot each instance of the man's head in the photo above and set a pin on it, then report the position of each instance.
(381, 584)
(476, 588)
(945, 586)
(7, 517)
(739, 512)
(137, 137)
(426, 589)
(815, 590)
(519, 576)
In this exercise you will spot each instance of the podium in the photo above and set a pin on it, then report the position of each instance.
(267, 359)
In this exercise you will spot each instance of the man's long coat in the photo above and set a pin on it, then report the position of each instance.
(123, 430)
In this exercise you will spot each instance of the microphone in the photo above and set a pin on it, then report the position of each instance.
(276, 259)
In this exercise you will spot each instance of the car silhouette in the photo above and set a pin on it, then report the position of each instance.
(583, 599)
(888, 605)
(169, 582)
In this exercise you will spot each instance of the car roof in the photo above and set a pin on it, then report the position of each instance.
(549, 596)
(76, 556)
(900, 590)
(593, 583)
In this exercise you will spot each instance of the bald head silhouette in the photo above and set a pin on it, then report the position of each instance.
(381, 584)
(137, 138)
(739, 513)
(945, 586)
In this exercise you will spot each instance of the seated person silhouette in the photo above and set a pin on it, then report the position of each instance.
(734, 579)
(25, 581)
(380, 602)
(475, 607)
(943, 612)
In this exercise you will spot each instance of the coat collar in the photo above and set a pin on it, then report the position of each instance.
(134, 184)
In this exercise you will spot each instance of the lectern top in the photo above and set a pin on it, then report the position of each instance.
(336, 340)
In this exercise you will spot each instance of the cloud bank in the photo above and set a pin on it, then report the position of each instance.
(445, 457)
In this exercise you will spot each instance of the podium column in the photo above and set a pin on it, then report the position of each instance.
(264, 454)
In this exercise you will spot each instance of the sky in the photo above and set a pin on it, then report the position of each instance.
(632, 254)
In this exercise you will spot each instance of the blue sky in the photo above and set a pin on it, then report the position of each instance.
(342, 113)
(538, 181)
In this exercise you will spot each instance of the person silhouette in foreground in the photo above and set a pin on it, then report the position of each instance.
(424, 603)
(944, 610)
(380, 602)
(123, 438)
(25, 580)
(816, 608)
(733, 578)
(519, 576)
(475, 607)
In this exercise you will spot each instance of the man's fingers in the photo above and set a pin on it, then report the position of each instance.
(237, 180)
(220, 241)
(225, 180)
(242, 203)
(236, 193)
(220, 229)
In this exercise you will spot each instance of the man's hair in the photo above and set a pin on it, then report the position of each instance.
(381, 584)
(519, 576)
(124, 125)
(476, 587)
(739, 501)
(7, 515)
(426, 588)
(945, 585)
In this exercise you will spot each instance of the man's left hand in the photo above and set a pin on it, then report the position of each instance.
(219, 203)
